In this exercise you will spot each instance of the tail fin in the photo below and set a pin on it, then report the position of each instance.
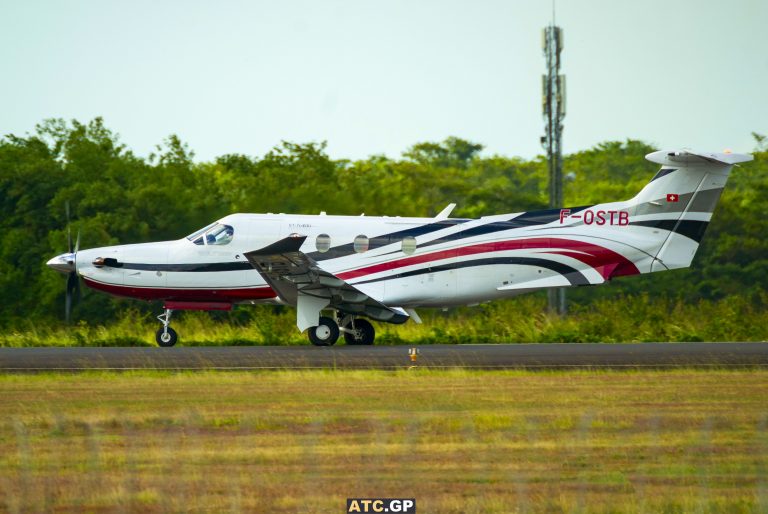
(680, 200)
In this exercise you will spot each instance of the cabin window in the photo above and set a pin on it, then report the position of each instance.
(361, 243)
(409, 245)
(323, 243)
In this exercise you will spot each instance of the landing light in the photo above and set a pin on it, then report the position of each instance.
(98, 262)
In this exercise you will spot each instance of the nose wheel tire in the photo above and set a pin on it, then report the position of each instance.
(362, 333)
(325, 333)
(166, 337)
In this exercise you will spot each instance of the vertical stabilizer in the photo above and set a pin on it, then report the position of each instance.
(679, 201)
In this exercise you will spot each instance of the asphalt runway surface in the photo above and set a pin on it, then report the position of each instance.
(492, 356)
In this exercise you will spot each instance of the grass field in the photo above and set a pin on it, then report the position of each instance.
(521, 320)
(458, 441)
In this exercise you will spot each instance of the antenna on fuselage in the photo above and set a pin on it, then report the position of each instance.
(443, 215)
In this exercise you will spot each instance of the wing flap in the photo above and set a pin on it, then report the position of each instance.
(300, 281)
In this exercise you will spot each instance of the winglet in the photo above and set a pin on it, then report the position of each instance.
(443, 215)
(289, 244)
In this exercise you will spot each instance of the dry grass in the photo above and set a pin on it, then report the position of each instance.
(458, 441)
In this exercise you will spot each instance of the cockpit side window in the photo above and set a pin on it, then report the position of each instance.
(216, 234)
(219, 235)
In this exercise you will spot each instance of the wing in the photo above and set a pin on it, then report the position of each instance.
(298, 280)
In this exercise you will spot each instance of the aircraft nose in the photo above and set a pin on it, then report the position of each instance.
(64, 263)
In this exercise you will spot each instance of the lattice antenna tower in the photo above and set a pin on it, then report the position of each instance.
(553, 104)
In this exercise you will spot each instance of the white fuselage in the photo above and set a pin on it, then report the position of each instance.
(442, 263)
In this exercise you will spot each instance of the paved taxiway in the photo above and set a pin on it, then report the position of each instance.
(388, 357)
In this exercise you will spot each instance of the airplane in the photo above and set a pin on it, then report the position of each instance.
(339, 272)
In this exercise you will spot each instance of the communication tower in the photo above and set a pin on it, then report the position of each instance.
(553, 103)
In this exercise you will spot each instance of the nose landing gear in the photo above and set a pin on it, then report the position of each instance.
(166, 336)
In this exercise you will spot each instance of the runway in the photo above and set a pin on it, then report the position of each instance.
(495, 356)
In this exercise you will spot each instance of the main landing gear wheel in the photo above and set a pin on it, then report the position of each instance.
(166, 337)
(325, 333)
(359, 332)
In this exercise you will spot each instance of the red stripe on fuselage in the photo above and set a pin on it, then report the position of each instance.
(193, 295)
(607, 262)
(606, 265)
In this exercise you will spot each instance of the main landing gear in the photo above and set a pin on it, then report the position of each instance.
(325, 333)
(166, 336)
(357, 331)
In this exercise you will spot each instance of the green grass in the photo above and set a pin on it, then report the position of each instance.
(522, 320)
(458, 441)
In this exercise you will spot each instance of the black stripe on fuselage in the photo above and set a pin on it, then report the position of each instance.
(693, 229)
(662, 172)
(198, 267)
(525, 220)
(575, 277)
(386, 239)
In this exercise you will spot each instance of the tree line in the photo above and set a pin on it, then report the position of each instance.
(117, 197)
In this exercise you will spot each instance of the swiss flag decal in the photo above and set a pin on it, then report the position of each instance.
(673, 197)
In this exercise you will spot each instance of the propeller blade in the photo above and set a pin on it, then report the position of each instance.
(72, 281)
(69, 231)
(73, 285)
(68, 306)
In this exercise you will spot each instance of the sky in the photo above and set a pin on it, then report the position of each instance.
(375, 77)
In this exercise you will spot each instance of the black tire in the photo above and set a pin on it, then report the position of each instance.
(166, 339)
(364, 333)
(326, 333)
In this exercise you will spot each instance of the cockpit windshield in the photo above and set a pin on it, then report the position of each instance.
(214, 234)
(197, 233)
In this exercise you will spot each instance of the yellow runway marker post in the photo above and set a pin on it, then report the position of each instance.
(413, 353)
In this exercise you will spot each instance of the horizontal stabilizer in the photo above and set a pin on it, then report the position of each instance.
(683, 157)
